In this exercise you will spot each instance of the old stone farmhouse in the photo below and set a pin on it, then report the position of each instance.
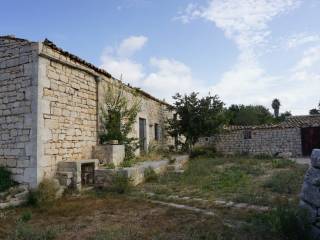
(49, 106)
(296, 136)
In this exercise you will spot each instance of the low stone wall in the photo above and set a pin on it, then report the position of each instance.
(257, 141)
(310, 194)
(109, 154)
(15, 196)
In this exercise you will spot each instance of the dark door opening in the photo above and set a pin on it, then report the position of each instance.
(87, 174)
(310, 138)
(142, 135)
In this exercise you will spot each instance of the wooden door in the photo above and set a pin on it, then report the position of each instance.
(142, 135)
(310, 138)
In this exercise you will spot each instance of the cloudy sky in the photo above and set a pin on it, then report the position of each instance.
(246, 51)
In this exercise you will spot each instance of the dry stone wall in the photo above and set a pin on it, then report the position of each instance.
(69, 112)
(17, 102)
(310, 194)
(261, 141)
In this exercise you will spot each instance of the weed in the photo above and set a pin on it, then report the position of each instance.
(285, 181)
(45, 194)
(127, 163)
(110, 166)
(5, 179)
(120, 184)
(150, 175)
(288, 222)
(281, 163)
(26, 216)
(26, 232)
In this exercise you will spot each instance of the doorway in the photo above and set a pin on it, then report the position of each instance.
(142, 135)
(310, 138)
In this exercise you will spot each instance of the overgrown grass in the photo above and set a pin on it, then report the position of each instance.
(235, 178)
(5, 179)
(288, 222)
(150, 175)
(27, 232)
(44, 195)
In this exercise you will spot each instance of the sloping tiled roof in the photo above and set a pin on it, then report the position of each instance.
(290, 122)
(89, 65)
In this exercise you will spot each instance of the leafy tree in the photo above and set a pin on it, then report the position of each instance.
(248, 115)
(276, 107)
(118, 114)
(315, 111)
(283, 116)
(195, 117)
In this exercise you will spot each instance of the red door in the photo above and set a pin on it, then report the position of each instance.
(310, 139)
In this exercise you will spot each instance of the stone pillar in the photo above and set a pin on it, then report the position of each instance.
(310, 194)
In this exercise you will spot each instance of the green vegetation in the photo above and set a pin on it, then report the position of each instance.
(5, 179)
(118, 114)
(44, 195)
(239, 179)
(195, 117)
(27, 232)
(150, 175)
(286, 221)
(120, 184)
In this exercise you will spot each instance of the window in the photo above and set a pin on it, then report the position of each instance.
(247, 134)
(156, 132)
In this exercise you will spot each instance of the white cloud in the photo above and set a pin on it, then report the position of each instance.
(131, 45)
(300, 39)
(246, 22)
(168, 76)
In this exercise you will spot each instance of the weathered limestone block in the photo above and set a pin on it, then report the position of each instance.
(109, 153)
(310, 193)
(315, 158)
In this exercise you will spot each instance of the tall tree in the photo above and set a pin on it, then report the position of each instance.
(196, 117)
(315, 111)
(248, 115)
(276, 107)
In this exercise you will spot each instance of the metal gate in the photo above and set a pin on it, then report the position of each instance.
(310, 138)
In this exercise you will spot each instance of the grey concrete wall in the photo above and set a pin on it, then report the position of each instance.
(263, 141)
(18, 103)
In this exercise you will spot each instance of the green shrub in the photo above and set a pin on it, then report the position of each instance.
(284, 182)
(26, 216)
(45, 194)
(281, 163)
(127, 163)
(26, 232)
(120, 184)
(5, 179)
(110, 166)
(150, 175)
(203, 152)
(288, 222)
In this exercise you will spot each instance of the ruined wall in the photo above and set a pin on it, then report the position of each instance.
(68, 111)
(262, 141)
(18, 70)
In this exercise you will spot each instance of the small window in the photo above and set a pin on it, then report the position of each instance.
(247, 134)
(156, 132)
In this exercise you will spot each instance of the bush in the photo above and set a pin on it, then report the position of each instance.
(203, 152)
(26, 216)
(45, 194)
(26, 232)
(281, 163)
(150, 175)
(284, 182)
(120, 184)
(290, 222)
(5, 179)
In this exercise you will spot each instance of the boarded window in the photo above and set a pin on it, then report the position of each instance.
(247, 134)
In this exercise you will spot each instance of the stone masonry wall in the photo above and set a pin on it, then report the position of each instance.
(68, 121)
(310, 193)
(17, 107)
(263, 141)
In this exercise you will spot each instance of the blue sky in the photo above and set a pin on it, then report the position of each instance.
(246, 51)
